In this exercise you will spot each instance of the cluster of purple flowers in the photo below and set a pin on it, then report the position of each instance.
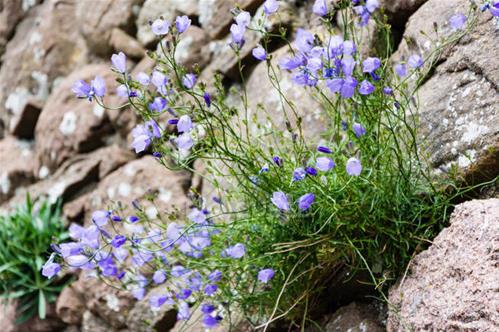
(242, 22)
(324, 164)
(116, 248)
(492, 6)
(365, 11)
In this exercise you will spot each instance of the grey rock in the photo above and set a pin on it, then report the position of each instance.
(68, 126)
(458, 104)
(98, 18)
(121, 41)
(355, 317)
(215, 15)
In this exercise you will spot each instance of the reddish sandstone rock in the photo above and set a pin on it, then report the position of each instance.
(452, 286)
(68, 125)
(16, 166)
(137, 180)
(47, 45)
(98, 18)
(70, 306)
(76, 175)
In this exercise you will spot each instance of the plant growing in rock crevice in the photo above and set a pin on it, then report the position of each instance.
(359, 197)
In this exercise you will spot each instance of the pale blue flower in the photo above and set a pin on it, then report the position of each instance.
(280, 200)
(160, 27)
(354, 167)
(119, 62)
(265, 275)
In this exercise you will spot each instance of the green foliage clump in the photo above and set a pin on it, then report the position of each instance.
(25, 238)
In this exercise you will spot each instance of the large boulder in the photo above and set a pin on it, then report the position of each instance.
(452, 286)
(47, 45)
(459, 114)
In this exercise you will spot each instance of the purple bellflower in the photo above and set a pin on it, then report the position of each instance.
(324, 164)
(184, 124)
(370, 65)
(366, 88)
(270, 7)
(143, 135)
(182, 23)
(353, 167)
(265, 275)
(415, 61)
(401, 69)
(97, 88)
(305, 201)
(119, 62)
(457, 21)
(259, 53)
(236, 251)
(280, 200)
(189, 80)
(160, 27)
(358, 130)
(346, 87)
(320, 8)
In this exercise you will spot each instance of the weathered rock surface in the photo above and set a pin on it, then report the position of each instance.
(70, 306)
(136, 180)
(123, 42)
(108, 303)
(192, 50)
(98, 18)
(452, 286)
(153, 9)
(49, 324)
(23, 124)
(224, 59)
(215, 15)
(76, 175)
(262, 92)
(355, 317)
(10, 13)
(46, 45)
(143, 319)
(16, 166)
(459, 103)
(68, 125)
(400, 10)
(93, 323)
